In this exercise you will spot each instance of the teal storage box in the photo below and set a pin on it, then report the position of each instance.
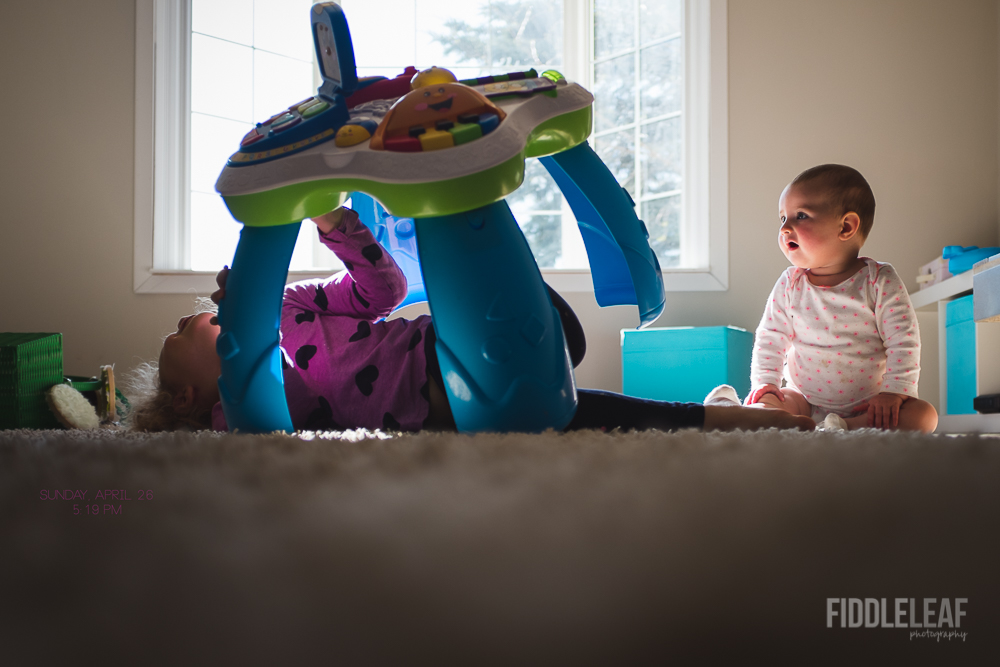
(685, 363)
(960, 334)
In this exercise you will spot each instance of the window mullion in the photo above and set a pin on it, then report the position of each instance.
(666, 116)
(613, 130)
(577, 21)
(577, 57)
(637, 92)
(693, 182)
(172, 127)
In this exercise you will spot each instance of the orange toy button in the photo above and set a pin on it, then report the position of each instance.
(434, 140)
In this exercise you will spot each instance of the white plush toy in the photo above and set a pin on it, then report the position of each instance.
(72, 408)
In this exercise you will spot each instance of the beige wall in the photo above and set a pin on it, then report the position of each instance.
(67, 111)
(905, 91)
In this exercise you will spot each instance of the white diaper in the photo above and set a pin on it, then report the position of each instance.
(818, 414)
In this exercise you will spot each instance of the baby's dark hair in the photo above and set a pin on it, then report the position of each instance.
(848, 191)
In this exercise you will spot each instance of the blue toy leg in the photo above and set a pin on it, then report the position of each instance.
(500, 342)
(251, 387)
(624, 267)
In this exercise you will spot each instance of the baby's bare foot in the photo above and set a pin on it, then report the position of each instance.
(731, 418)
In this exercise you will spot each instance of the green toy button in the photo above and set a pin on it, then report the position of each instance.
(465, 132)
(314, 109)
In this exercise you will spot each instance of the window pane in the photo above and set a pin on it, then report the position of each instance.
(222, 78)
(302, 254)
(214, 233)
(322, 257)
(663, 221)
(661, 85)
(544, 234)
(310, 254)
(386, 71)
(526, 33)
(226, 19)
(368, 34)
(451, 32)
(614, 93)
(391, 72)
(660, 155)
(278, 83)
(614, 27)
(539, 192)
(618, 152)
(284, 27)
(213, 140)
(660, 18)
(470, 37)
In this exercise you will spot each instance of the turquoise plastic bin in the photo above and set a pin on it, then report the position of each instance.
(685, 363)
(960, 333)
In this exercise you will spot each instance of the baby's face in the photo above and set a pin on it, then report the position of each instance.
(189, 357)
(809, 235)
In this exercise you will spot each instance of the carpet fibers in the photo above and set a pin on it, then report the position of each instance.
(359, 548)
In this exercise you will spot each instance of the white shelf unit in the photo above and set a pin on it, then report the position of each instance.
(935, 299)
(954, 287)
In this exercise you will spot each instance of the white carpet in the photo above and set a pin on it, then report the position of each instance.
(587, 548)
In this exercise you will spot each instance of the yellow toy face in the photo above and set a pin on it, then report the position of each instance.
(427, 105)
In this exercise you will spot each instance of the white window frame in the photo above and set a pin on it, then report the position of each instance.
(162, 136)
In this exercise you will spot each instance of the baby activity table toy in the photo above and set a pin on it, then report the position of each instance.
(432, 158)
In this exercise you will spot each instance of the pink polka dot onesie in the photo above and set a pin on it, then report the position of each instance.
(841, 345)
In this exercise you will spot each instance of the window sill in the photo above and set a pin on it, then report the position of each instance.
(561, 280)
(197, 282)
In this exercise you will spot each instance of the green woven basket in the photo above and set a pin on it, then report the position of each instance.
(30, 363)
(82, 383)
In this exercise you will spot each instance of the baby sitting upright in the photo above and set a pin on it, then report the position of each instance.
(838, 327)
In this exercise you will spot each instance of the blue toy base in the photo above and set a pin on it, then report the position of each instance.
(251, 387)
(500, 342)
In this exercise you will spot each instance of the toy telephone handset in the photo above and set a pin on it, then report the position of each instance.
(334, 51)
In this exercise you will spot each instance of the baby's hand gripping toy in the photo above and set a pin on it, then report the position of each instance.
(440, 155)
